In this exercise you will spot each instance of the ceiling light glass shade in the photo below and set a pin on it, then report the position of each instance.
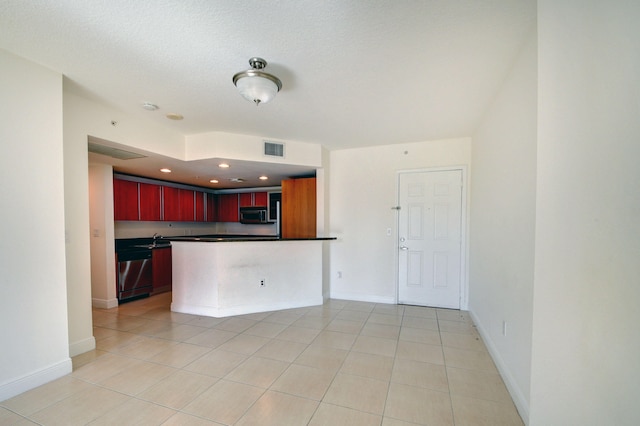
(256, 85)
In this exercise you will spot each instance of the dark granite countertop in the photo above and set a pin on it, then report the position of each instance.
(240, 238)
(126, 244)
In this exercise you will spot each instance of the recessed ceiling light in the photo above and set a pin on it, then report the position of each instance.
(165, 170)
(214, 181)
(149, 106)
(263, 178)
(223, 165)
(174, 116)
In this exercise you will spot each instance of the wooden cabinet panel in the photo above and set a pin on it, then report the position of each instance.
(154, 202)
(299, 208)
(228, 208)
(246, 199)
(161, 269)
(187, 205)
(212, 215)
(125, 200)
(150, 206)
(200, 202)
(260, 199)
(253, 199)
(179, 204)
(171, 204)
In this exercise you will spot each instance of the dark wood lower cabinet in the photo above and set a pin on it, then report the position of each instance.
(161, 269)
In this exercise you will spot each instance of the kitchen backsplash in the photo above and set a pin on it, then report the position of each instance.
(137, 229)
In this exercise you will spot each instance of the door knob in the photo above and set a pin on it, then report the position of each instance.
(404, 248)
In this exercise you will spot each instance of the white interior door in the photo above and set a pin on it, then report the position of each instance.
(430, 238)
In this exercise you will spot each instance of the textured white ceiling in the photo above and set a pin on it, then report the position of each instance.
(355, 72)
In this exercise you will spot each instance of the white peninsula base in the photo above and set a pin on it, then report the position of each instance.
(220, 279)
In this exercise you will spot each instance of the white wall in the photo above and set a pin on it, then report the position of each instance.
(217, 279)
(323, 195)
(502, 224)
(363, 190)
(76, 193)
(586, 338)
(249, 148)
(81, 119)
(103, 274)
(33, 296)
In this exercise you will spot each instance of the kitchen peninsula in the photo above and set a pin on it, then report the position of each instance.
(218, 277)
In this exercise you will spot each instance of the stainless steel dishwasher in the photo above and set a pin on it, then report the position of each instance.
(134, 274)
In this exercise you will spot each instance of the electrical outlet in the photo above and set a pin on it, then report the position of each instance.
(262, 282)
(339, 274)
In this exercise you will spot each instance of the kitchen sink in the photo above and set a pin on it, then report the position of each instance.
(153, 245)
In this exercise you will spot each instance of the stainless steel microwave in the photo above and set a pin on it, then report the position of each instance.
(253, 215)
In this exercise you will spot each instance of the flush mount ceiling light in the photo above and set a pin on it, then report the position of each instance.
(149, 106)
(174, 116)
(256, 85)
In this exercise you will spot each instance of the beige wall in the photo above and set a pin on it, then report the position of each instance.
(33, 297)
(502, 227)
(248, 148)
(81, 119)
(586, 344)
(363, 188)
(103, 274)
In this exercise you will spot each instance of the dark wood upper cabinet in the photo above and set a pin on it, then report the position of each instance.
(212, 215)
(171, 204)
(200, 202)
(125, 200)
(260, 199)
(187, 205)
(228, 208)
(246, 199)
(147, 201)
(253, 199)
(150, 205)
(299, 208)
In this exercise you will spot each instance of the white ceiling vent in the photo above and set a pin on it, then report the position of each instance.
(273, 149)
(120, 154)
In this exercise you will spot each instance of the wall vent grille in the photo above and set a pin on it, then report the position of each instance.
(274, 149)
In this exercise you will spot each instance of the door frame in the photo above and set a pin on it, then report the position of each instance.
(464, 225)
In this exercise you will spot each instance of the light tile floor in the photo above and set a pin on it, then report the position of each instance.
(343, 363)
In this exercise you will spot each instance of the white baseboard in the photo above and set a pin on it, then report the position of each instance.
(82, 346)
(363, 297)
(35, 379)
(521, 403)
(226, 311)
(104, 303)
